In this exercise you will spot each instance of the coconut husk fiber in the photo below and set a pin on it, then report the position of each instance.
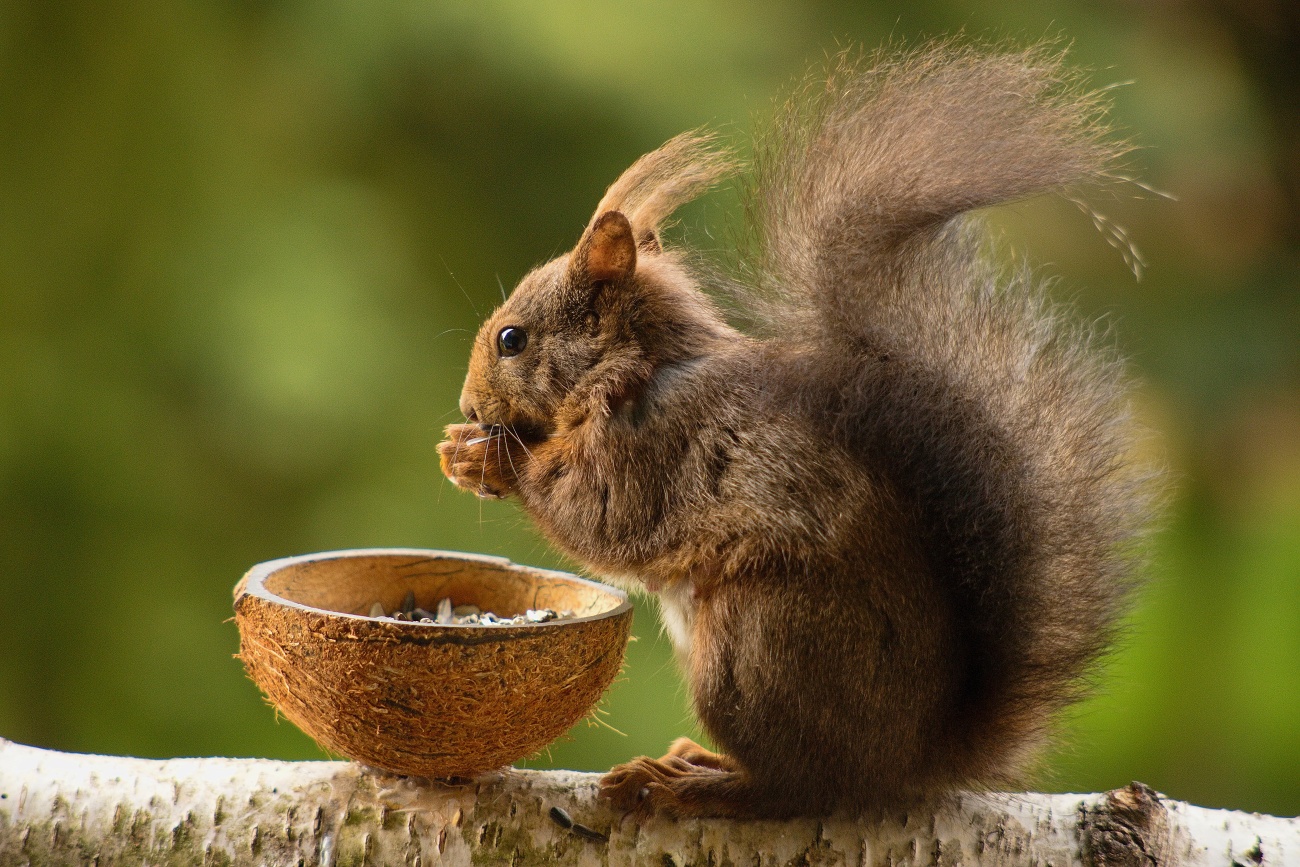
(424, 699)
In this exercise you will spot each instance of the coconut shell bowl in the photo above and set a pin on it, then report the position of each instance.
(426, 699)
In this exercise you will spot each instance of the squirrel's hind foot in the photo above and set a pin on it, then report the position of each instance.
(688, 782)
(685, 748)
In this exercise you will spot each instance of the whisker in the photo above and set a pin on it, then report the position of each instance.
(477, 315)
(451, 331)
(502, 287)
(513, 471)
(510, 430)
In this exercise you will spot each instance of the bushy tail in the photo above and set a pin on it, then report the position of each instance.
(1006, 423)
(862, 169)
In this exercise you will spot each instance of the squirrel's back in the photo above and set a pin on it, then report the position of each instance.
(1002, 422)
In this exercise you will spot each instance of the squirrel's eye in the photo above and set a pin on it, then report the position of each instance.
(511, 341)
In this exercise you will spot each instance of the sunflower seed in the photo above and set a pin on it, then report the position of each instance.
(449, 614)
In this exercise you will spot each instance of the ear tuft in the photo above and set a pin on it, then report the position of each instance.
(607, 252)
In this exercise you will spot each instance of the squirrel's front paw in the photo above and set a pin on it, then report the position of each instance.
(479, 460)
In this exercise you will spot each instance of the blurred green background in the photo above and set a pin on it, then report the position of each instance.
(243, 246)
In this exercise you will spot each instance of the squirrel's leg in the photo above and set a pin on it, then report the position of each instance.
(691, 781)
(484, 461)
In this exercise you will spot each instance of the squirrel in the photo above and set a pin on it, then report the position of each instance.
(892, 522)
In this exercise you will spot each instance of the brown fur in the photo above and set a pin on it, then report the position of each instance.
(892, 532)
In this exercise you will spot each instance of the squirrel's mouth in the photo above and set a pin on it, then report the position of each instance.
(495, 417)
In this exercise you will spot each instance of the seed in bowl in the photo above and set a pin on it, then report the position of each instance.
(448, 614)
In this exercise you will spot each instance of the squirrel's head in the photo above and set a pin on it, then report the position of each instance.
(587, 330)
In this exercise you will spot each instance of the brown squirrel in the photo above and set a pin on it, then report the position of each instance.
(891, 527)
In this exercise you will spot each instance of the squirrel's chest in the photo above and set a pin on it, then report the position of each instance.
(677, 610)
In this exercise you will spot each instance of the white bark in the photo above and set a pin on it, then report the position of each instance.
(60, 808)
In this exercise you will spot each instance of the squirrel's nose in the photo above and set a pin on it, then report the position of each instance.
(467, 409)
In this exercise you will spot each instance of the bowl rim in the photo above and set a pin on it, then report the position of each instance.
(253, 584)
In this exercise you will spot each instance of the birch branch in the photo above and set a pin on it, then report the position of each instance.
(63, 809)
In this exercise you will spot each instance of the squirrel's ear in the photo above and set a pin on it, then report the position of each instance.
(648, 242)
(607, 252)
